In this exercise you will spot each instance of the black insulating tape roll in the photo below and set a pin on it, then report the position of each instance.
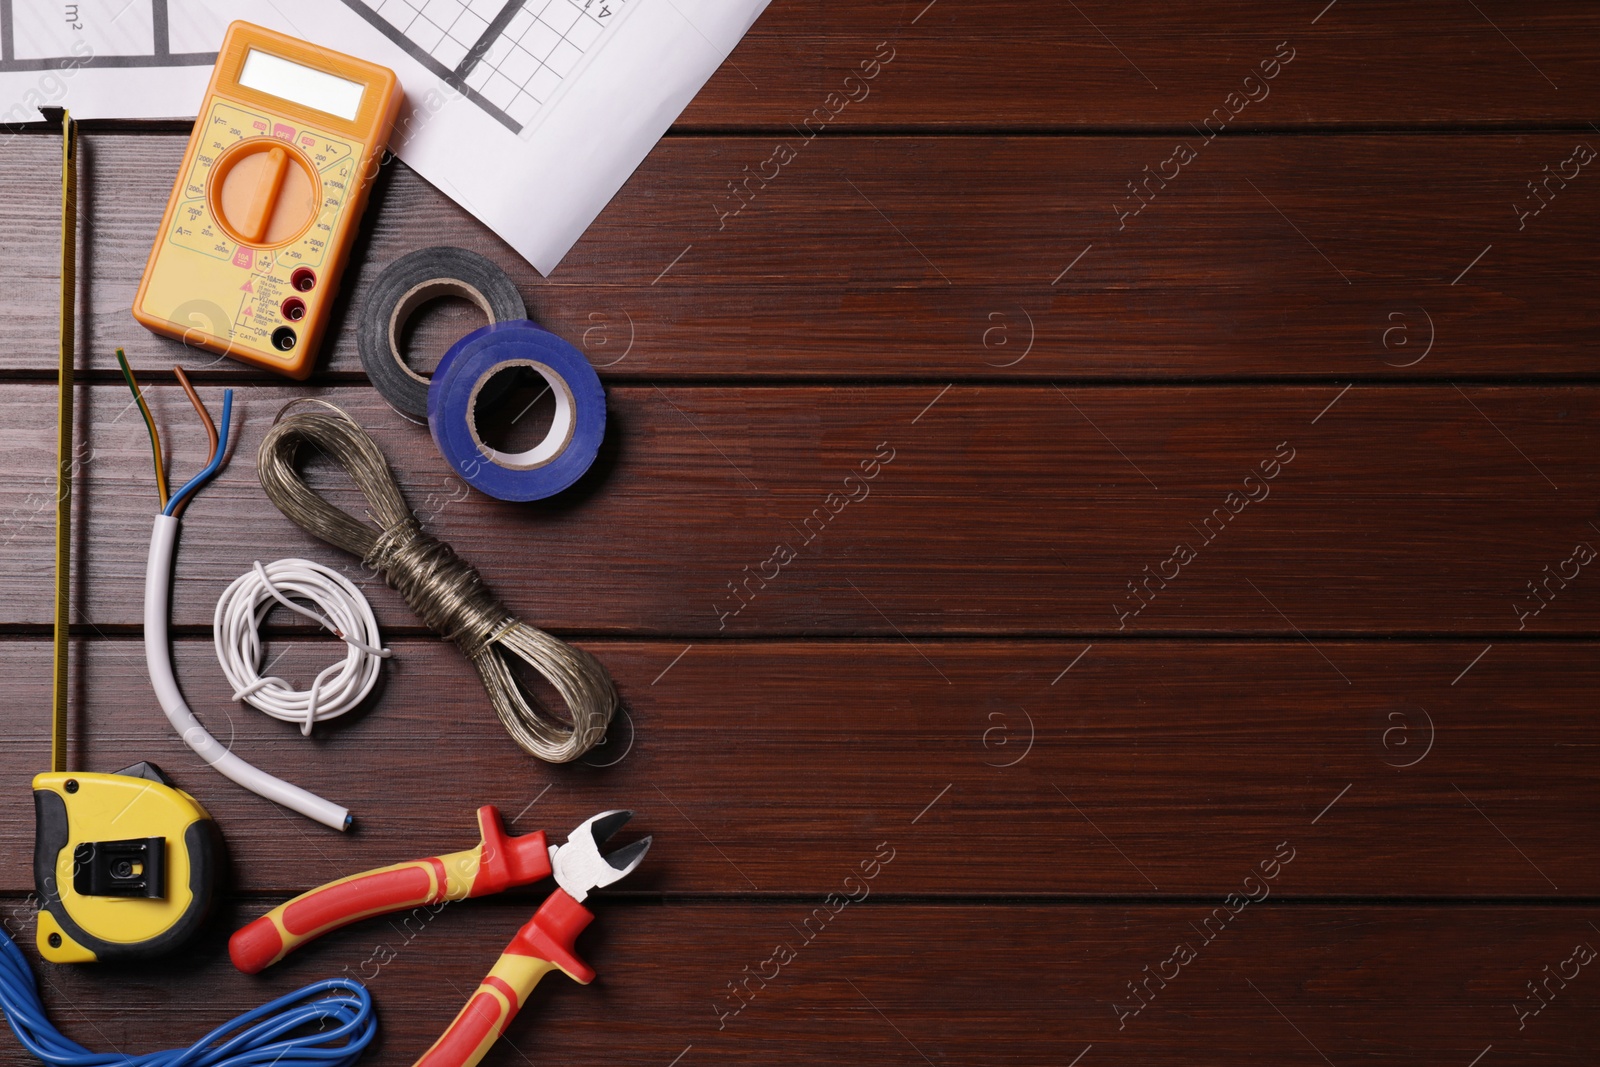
(403, 287)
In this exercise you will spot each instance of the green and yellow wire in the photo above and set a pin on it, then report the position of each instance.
(149, 424)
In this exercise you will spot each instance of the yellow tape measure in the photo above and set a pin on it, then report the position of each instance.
(64, 438)
(125, 864)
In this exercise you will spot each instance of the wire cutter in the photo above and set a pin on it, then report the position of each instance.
(545, 944)
(498, 862)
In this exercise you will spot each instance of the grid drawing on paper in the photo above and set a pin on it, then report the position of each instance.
(509, 57)
(98, 33)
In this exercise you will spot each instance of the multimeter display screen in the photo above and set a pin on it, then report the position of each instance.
(301, 85)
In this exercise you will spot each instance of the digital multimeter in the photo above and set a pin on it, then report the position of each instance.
(265, 207)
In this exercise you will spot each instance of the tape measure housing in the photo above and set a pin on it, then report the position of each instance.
(125, 865)
(268, 199)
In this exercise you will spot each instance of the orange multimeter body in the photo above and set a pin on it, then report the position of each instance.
(265, 207)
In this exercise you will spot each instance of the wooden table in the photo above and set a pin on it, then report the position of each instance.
(1201, 675)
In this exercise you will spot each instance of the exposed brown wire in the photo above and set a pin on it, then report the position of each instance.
(205, 419)
(444, 590)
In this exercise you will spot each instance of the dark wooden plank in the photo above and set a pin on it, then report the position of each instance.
(933, 258)
(913, 984)
(991, 64)
(1002, 510)
(1129, 768)
(30, 241)
(956, 670)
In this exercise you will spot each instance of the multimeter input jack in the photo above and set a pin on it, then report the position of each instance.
(294, 309)
(304, 279)
(284, 338)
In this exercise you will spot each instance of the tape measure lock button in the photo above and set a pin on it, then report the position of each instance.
(133, 868)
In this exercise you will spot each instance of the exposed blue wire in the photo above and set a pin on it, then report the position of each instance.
(209, 471)
(257, 1037)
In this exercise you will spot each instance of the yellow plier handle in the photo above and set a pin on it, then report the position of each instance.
(546, 944)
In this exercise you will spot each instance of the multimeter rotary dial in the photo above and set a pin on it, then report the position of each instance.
(264, 192)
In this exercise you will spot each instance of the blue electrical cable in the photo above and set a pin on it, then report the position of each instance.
(255, 1038)
(209, 471)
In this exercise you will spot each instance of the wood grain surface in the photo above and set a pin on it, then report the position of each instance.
(1059, 767)
(989, 509)
(908, 983)
(1100, 63)
(1334, 257)
(1205, 628)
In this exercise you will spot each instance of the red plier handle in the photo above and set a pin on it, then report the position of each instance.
(496, 863)
(546, 944)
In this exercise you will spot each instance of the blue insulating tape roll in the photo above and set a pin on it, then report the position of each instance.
(575, 432)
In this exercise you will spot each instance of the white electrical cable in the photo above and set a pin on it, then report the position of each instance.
(343, 611)
(158, 660)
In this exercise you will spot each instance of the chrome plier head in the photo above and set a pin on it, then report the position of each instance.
(580, 867)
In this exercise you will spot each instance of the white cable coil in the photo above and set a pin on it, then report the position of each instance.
(158, 658)
(340, 609)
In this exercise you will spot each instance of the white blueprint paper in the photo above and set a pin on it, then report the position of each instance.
(529, 113)
(110, 58)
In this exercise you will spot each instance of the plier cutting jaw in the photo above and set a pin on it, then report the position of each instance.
(579, 866)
